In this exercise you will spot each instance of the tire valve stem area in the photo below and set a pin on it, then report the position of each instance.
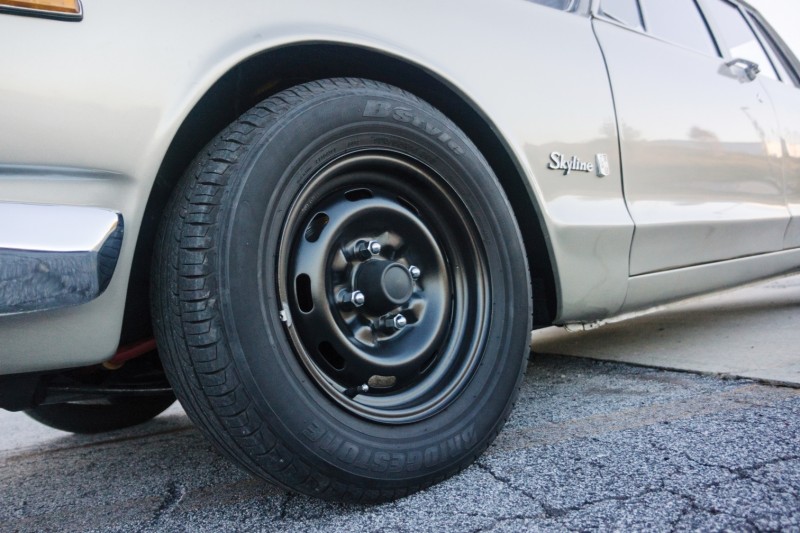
(352, 392)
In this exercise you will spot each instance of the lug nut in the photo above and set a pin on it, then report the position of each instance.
(397, 322)
(415, 272)
(355, 298)
(365, 249)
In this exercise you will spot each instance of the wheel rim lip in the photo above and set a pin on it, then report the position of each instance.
(460, 342)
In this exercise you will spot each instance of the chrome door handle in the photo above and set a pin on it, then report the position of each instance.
(751, 69)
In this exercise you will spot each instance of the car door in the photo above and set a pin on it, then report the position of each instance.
(781, 79)
(699, 141)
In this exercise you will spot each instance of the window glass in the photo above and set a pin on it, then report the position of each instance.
(738, 36)
(680, 22)
(564, 5)
(775, 55)
(624, 11)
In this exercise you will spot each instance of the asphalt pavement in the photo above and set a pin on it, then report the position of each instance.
(591, 445)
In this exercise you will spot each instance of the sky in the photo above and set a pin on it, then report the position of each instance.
(784, 16)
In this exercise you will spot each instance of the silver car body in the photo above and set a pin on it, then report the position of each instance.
(702, 190)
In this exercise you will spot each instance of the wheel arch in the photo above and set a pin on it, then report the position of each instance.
(269, 72)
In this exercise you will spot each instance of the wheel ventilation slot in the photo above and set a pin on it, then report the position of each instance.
(315, 227)
(302, 289)
(408, 205)
(358, 194)
(381, 382)
(331, 356)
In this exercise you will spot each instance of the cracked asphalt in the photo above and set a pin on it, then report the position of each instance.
(590, 445)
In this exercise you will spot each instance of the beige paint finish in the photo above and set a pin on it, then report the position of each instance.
(786, 99)
(648, 290)
(110, 92)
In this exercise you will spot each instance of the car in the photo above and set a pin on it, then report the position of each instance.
(328, 228)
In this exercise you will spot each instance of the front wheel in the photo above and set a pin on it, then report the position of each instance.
(341, 295)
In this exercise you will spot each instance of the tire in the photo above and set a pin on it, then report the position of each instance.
(117, 413)
(264, 337)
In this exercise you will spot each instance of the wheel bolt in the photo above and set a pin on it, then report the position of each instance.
(355, 298)
(396, 323)
(365, 249)
(415, 272)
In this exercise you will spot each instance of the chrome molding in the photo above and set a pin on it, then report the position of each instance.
(43, 13)
(55, 256)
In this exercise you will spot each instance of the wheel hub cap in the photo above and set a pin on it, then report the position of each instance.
(385, 284)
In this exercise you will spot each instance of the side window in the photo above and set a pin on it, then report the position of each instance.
(738, 37)
(680, 22)
(779, 61)
(624, 11)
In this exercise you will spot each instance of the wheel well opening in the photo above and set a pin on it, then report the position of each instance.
(269, 73)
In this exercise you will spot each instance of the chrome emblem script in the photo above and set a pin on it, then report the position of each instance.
(603, 167)
(559, 161)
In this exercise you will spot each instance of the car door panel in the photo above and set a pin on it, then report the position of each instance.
(695, 143)
(743, 35)
(787, 102)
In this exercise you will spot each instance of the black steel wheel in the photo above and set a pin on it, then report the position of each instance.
(381, 321)
(341, 295)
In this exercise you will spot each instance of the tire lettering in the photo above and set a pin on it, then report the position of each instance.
(397, 462)
(414, 462)
(314, 432)
(326, 155)
(380, 461)
(331, 443)
(377, 109)
(363, 459)
(403, 115)
(433, 131)
(456, 148)
(348, 453)
(454, 445)
(431, 456)
(469, 437)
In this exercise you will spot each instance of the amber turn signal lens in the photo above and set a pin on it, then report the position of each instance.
(57, 6)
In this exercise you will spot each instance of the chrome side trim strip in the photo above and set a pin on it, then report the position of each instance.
(55, 256)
